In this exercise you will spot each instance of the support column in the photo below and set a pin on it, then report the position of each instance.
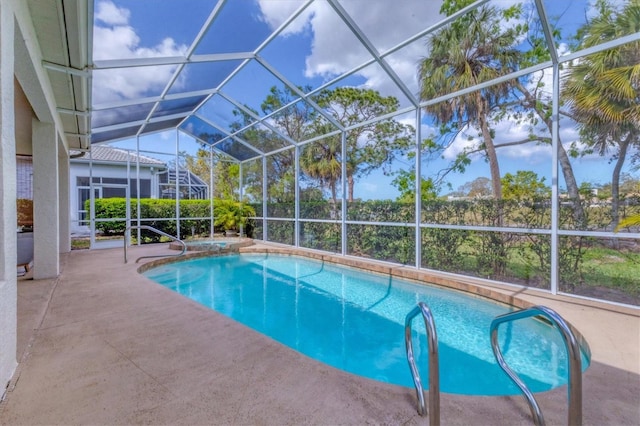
(64, 199)
(8, 221)
(418, 186)
(46, 208)
(296, 226)
(343, 228)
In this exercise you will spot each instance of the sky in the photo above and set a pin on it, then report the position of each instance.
(312, 50)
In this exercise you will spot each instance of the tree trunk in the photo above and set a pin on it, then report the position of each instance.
(334, 201)
(494, 167)
(563, 159)
(496, 243)
(615, 181)
(334, 192)
(572, 187)
(490, 149)
(350, 185)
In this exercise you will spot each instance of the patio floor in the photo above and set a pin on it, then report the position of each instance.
(101, 344)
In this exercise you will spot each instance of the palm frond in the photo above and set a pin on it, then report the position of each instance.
(627, 222)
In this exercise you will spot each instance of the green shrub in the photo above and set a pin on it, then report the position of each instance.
(155, 212)
(231, 215)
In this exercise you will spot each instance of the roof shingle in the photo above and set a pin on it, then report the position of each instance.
(116, 155)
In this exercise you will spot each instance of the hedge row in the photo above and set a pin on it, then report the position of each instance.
(153, 211)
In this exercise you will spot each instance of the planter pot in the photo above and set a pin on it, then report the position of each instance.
(25, 249)
(230, 233)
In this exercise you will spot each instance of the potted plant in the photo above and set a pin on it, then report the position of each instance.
(232, 215)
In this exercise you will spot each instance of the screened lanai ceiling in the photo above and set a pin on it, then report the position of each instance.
(206, 68)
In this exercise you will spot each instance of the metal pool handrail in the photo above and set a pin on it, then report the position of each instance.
(434, 373)
(574, 342)
(157, 231)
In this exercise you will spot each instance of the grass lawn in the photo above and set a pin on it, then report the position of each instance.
(618, 269)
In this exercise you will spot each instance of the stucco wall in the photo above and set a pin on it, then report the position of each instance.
(8, 332)
(8, 221)
(24, 115)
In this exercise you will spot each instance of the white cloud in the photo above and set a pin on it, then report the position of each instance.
(129, 83)
(114, 38)
(114, 42)
(460, 144)
(329, 33)
(336, 50)
(275, 13)
(110, 14)
(169, 135)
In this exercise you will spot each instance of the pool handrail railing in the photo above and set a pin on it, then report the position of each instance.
(157, 231)
(575, 344)
(434, 364)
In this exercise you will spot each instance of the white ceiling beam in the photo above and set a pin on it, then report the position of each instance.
(599, 48)
(85, 72)
(73, 112)
(105, 64)
(78, 135)
(136, 101)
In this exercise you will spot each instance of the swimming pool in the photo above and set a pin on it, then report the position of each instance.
(354, 321)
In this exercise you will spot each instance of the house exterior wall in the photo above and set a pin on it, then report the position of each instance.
(24, 114)
(63, 202)
(46, 256)
(103, 170)
(8, 221)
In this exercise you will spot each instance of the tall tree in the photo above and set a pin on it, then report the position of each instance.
(527, 102)
(524, 186)
(534, 104)
(226, 179)
(405, 181)
(321, 161)
(225, 172)
(475, 48)
(603, 89)
(293, 120)
(200, 164)
(480, 187)
(369, 146)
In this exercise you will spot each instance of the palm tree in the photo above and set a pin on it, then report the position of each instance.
(603, 89)
(474, 49)
(321, 161)
(633, 220)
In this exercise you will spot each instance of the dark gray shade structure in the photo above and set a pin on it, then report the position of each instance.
(212, 80)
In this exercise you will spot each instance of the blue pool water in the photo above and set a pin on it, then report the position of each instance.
(207, 244)
(354, 321)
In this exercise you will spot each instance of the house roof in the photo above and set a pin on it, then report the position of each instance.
(116, 155)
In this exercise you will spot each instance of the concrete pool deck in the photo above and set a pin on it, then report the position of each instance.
(101, 344)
